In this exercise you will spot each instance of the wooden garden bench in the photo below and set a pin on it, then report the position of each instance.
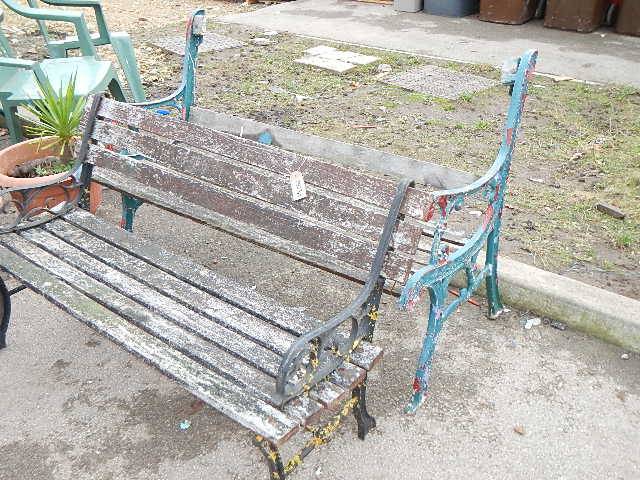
(271, 368)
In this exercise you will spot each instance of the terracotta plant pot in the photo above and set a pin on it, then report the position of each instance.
(45, 198)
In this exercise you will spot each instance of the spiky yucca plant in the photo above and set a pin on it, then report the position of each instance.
(58, 115)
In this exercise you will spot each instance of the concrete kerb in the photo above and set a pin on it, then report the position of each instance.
(597, 312)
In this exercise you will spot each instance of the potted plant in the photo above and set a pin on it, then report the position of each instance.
(32, 167)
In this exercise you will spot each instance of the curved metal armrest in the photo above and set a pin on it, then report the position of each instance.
(73, 183)
(77, 19)
(476, 186)
(325, 348)
(41, 203)
(183, 96)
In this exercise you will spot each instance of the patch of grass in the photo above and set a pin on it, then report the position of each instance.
(445, 104)
(625, 240)
(416, 97)
(482, 125)
(482, 69)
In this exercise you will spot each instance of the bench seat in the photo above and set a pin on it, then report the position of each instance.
(221, 340)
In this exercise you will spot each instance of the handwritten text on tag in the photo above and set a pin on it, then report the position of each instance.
(298, 188)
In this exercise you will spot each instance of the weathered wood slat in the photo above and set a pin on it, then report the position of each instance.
(259, 330)
(255, 374)
(171, 203)
(246, 298)
(348, 214)
(79, 247)
(330, 395)
(304, 409)
(325, 240)
(229, 316)
(356, 184)
(347, 377)
(126, 296)
(175, 204)
(347, 154)
(205, 384)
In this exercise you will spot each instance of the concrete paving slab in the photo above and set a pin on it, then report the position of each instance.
(342, 55)
(601, 56)
(332, 64)
(211, 42)
(74, 405)
(440, 82)
(320, 50)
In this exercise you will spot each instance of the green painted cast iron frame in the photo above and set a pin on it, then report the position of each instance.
(443, 266)
(181, 100)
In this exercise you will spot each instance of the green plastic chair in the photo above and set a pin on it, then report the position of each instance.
(19, 78)
(119, 41)
(5, 46)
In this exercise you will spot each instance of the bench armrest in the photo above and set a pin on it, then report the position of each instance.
(319, 352)
(76, 18)
(183, 97)
(35, 205)
(491, 187)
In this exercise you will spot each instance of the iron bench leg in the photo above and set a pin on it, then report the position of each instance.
(493, 293)
(365, 421)
(437, 294)
(129, 206)
(5, 312)
(279, 470)
(271, 454)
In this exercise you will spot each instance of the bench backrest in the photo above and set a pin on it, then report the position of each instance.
(243, 187)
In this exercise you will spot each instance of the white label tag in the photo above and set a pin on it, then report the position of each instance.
(298, 188)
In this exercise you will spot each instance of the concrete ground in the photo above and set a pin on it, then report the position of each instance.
(601, 56)
(74, 405)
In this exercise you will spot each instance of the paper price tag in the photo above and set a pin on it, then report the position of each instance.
(298, 188)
